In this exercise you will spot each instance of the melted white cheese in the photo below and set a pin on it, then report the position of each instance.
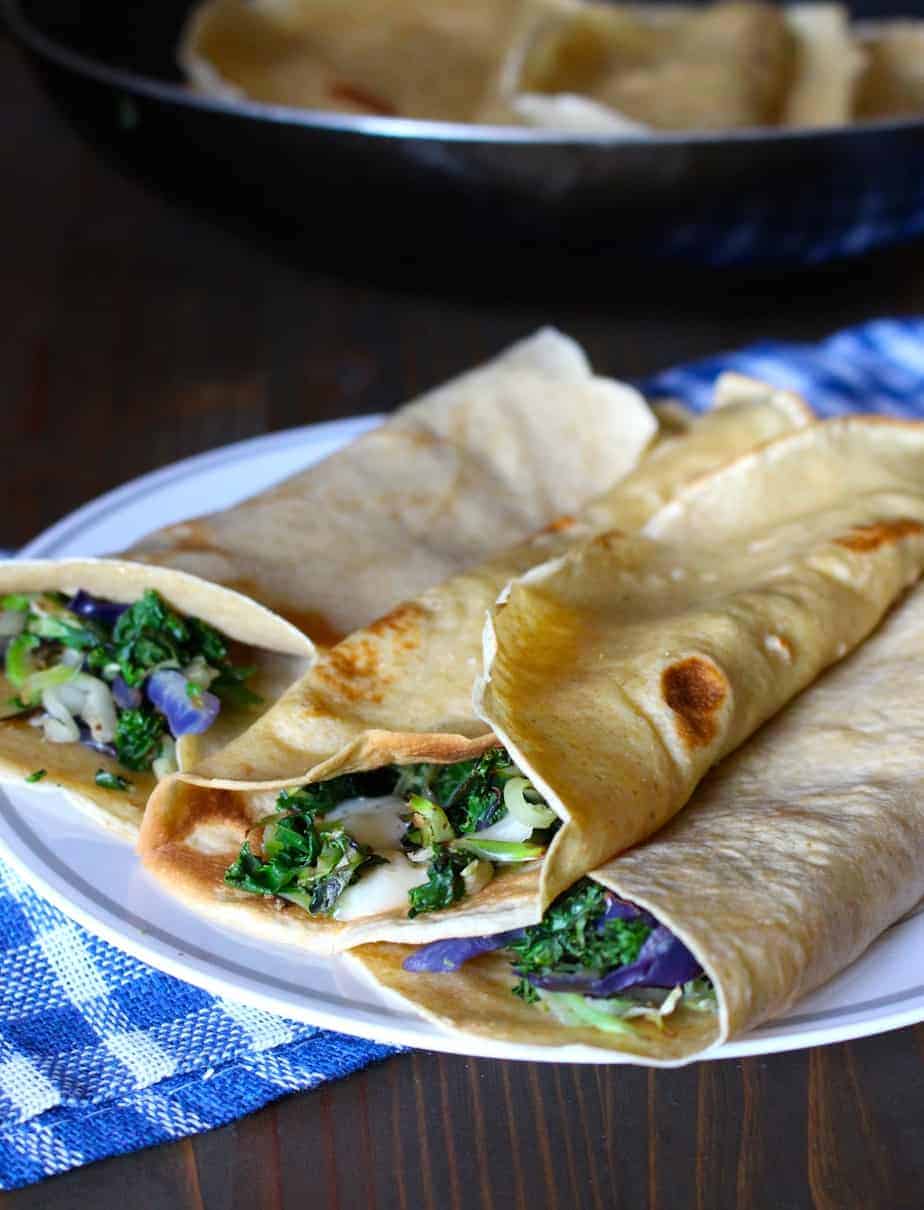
(375, 822)
(381, 889)
(508, 828)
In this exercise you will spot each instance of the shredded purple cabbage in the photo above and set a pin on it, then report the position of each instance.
(168, 691)
(126, 697)
(441, 957)
(663, 961)
(87, 606)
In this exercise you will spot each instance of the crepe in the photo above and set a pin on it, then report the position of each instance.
(892, 86)
(277, 650)
(681, 68)
(791, 859)
(400, 690)
(436, 60)
(450, 479)
(828, 66)
(473, 449)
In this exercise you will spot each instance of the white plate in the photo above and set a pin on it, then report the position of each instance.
(96, 878)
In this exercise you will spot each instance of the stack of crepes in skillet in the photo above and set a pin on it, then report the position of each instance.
(452, 478)
(755, 564)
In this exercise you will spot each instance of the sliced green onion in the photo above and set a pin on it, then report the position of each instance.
(572, 1009)
(699, 995)
(498, 850)
(111, 781)
(35, 685)
(476, 876)
(16, 601)
(56, 629)
(533, 814)
(37, 775)
(18, 660)
(430, 821)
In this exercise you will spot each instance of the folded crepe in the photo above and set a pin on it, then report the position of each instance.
(453, 477)
(411, 58)
(792, 857)
(677, 67)
(81, 635)
(892, 84)
(399, 693)
(476, 452)
(828, 67)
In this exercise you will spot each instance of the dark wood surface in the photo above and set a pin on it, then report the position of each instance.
(135, 332)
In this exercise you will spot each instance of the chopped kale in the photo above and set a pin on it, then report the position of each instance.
(301, 862)
(37, 775)
(149, 634)
(208, 642)
(471, 792)
(229, 686)
(526, 992)
(323, 796)
(478, 799)
(138, 736)
(111, 781)
(571, 936)
(444, 885)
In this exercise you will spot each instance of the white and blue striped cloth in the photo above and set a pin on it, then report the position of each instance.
(100, 1054)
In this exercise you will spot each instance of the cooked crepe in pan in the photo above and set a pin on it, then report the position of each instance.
(723, 66)
(399, 692)
(792, 857)
(892, 85)
(412, 58)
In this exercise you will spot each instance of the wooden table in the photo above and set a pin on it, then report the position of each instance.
(135, 333)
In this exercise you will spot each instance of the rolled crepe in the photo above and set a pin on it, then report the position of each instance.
(401, 691)
(718, 67)
(410, 58)
(472, 449)
(276, 650)
(793, 856)
(453, 477)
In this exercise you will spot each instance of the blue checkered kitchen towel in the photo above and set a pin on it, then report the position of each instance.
(100, 1054)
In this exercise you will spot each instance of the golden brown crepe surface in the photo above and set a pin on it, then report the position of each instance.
(414, 669)
(436, 59)
(453, 477)
(617, 676)
(720, 67)
(892, 84)
(792, 858)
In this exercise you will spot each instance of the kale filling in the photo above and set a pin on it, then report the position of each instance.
(117, 645)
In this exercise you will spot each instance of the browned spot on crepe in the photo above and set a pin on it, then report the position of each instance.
(401, 624)
(559, 525)
(695, 690)
(870, 537)
(309, 621)
(353, 670)
(216, 806)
